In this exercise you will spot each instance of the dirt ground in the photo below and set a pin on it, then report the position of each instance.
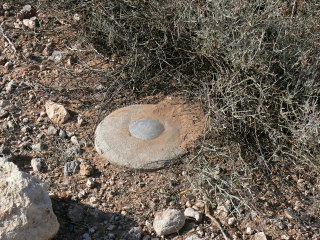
(49, 62)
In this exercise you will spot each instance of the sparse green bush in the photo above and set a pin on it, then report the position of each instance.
(254, 65)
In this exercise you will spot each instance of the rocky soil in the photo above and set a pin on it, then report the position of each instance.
(42, 60)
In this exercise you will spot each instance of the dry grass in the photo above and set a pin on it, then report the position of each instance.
(253, 64)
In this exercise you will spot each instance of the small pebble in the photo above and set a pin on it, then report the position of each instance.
(52, 130)
(62, 133)
(90, 183)
(36, 164)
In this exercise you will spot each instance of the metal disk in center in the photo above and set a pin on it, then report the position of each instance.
(146, 129)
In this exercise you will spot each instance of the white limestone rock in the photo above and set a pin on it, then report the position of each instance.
(260, 236)
(57, 112)
(25, 207)
(168, 222)
(194, 214)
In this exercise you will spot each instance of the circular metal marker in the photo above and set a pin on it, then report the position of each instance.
(146, 129)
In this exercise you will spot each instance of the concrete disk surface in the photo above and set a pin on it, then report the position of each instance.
(149, 136)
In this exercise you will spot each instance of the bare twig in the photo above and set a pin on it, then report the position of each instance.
(6, 37)
(216, 221)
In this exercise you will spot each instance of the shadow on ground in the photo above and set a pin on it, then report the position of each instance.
(82, 221)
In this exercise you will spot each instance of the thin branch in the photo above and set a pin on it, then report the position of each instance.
(8, 40)
(216, 221)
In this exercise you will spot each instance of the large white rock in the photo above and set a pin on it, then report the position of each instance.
(168, 221)
(25, 207)
(57, 112)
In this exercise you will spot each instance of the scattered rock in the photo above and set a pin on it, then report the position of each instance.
(39, 146)
(36, 164)
(290, 213)
(8, 66)
(25, 129)
(90, 183)
(3, 59)
(260, 236)
(26, 12)
(6, 6)
(4, 103)
(76, 17)
(168, 221)
(4, 150)
(3, 113)
(29, 23)
(75, 140)
(80, 121)
(75, 213)
(47, 51)
(191, 213)
(10, 87)
(134, 234)
(62, 133)
(249, 230)
(193, 237)
(52, 130)
(25, 206)
(57, 56)
(56, 112)
(223, 209)
(85, 169)
(71, 168)
(73, 152)
(9, 125)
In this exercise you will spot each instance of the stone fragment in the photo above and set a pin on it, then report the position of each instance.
(8, 66)
(52, 130)
(4, 103)
(25, 207)
(26, 12)
(73, 152)
(4, 150)
(231, 221)
(75, 213)
(71, 168)
(62, 133)
(6, 6)
(36, 164)
(56, 112)
(76, 17)
(191, 213)
(85, 169)
(290, 213)
(75, 140)
(9, 125)
(39, 146)
(260, 236)
(90, 183)
(168, 222)
(193, 237)
(134, 233)
(57, 56)
(80, 121)
(3, 113)
(29, 23)
(249, 230)
(3, 59)
(10, 86)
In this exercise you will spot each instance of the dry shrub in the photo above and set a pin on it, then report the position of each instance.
(254, 65)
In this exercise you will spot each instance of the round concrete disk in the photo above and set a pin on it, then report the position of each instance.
(115, 142)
